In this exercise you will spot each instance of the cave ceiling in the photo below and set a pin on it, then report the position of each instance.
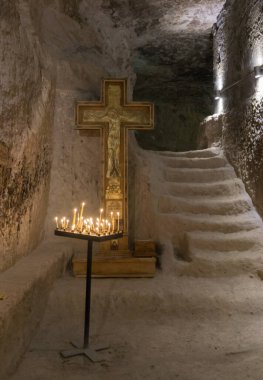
(172, 41)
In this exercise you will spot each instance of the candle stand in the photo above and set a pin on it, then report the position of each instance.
(86, 349)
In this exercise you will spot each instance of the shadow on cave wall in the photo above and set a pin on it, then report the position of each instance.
(182, 91)
(176, 127)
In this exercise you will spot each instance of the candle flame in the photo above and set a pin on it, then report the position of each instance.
(88, 225)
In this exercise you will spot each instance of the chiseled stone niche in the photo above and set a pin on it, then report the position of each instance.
(237, 49)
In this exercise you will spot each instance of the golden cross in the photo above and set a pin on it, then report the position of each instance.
(113, 116)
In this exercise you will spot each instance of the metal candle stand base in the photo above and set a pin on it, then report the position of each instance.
(87, 350)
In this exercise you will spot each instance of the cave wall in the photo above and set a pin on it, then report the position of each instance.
(237, 49)
(26, 115)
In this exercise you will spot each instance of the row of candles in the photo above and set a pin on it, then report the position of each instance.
(94, 226)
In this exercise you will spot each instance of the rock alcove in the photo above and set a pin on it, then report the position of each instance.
(54, 53)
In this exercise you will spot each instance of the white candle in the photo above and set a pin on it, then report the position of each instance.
(74, 218)
(101, 211)
(118, 215)
(56, 219)
(81, 223)
(111, 216)
(81, 211)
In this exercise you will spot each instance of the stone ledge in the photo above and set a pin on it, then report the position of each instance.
(24, 290)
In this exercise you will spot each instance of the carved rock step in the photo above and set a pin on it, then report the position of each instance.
(229, 187)
(218, 206)
(200, 163)
(210, 152)
(221, 223)
(220, 242)
(199, 175)
(211, 263)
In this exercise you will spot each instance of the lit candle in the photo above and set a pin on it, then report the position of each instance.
(118, 215)
(67, 223)
(109, 225)
(81, 211)
(74, 218)
(56, 219)
(101, 211)
(81, 223)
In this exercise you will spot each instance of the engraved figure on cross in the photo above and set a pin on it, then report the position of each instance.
(113, 169)
(114, 114)
(113, 117)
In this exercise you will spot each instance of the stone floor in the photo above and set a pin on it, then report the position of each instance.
(186, 338)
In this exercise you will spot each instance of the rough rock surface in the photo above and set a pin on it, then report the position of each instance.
(26, 116)
(163, 328)
(210, 131)
(238, 42)
(24, 292)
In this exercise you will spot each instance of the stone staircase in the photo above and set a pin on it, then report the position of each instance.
(204, 210)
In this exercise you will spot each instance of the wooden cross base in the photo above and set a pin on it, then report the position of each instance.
(119, 263)
(115, 266)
